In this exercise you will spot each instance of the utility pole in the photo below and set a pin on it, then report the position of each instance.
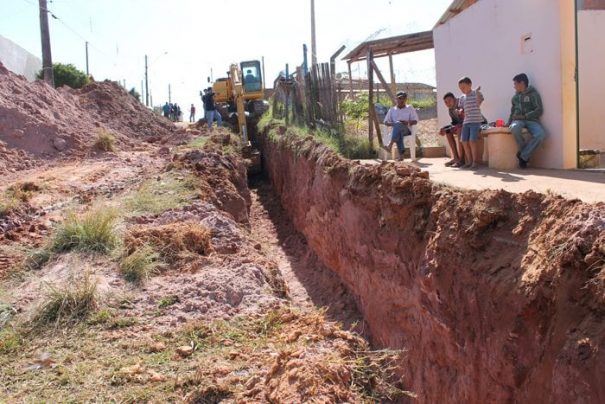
(142, 92)
(146, 84)
(169, 94)
(313, 44)
(47, 60)
(87, 73)
(264, 77)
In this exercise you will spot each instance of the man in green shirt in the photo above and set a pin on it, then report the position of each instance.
(525, 113)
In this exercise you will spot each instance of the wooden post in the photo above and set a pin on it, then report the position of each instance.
(393, 80)
(350, 81)
(370, 101)
(382, 81)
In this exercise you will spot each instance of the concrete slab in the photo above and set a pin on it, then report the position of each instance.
(586, 185)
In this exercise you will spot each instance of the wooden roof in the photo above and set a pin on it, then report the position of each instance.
(392, 46)
(454, 9)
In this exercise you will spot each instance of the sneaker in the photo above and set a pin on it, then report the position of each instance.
(522, 163)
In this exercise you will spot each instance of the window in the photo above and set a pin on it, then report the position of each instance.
(251, 76)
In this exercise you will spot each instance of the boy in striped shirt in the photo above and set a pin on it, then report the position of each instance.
(470, 102)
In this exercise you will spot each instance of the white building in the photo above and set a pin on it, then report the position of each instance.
(493, 40)
(18, 60)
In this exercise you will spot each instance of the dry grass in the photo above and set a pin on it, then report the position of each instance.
(16, 195)
(172, 241)
(279, 356)
(105, 142)
(68, 304)
(138, 266)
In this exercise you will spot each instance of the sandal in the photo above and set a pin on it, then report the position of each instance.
(450, 163)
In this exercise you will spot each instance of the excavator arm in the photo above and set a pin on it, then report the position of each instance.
(238, 97)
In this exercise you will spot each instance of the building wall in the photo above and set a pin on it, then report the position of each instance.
(18, 60)
(493, 40)
(591, 31)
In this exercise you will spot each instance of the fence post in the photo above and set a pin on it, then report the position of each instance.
(370, 100)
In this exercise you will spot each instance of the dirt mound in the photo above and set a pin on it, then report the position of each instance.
(38, 122)
(497, 297)
(111, 105)
(223, 172)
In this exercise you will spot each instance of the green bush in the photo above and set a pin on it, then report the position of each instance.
(358, 108)
(67, 75)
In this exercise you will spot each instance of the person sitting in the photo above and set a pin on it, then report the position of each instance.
(525, 113)
(457, 117)
(251, 81)
(401, 117)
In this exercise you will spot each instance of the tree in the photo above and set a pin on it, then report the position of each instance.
(134, 93)
(67, 75)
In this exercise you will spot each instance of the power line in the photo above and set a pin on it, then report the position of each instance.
(73, 31)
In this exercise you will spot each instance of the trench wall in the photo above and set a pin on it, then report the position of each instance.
(495, 297)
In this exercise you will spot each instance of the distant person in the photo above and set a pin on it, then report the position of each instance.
(470, 103)
(401, 117)
(210, 109)
(454, 128)
(171, 111)
(177, 112)
(525, 112)
(166, 110)
(203, 97)
(192, 113)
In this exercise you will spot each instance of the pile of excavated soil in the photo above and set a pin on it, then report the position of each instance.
(38, 122)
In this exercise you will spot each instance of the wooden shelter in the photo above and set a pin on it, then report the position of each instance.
(378, 48)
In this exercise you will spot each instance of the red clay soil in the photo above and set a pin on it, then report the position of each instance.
(496, 297)
(38, 122)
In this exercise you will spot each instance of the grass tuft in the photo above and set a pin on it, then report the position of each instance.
(10, 340)
(168, 301)
(94, 231)
(105, 142)
(16, 195)
(70, 304)
(156, 196)
(140, 265)
(37, 258)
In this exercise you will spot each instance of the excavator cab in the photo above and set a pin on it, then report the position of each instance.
(252, 80)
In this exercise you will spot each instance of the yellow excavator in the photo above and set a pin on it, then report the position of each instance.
(241, 94)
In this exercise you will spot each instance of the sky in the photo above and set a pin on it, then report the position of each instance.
(188, 41)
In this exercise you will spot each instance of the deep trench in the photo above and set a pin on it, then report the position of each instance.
(495, 297)
(310, 283)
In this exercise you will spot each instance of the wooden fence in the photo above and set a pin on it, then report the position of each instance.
(310, 98)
